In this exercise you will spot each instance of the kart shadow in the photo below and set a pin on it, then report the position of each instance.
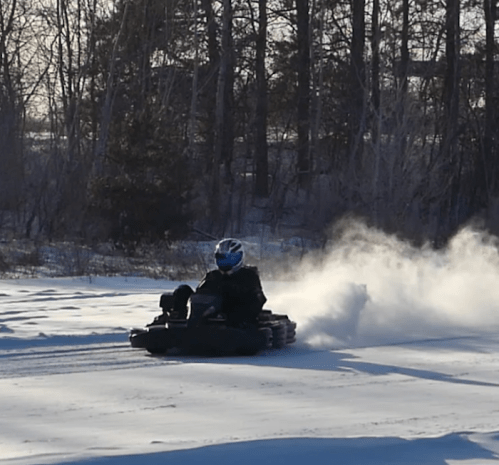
(306, 358)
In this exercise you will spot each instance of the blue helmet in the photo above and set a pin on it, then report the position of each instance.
(229, 255)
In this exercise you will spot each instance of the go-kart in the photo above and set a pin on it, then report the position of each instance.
(207, 331)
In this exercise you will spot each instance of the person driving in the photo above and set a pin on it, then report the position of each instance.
(237, 284)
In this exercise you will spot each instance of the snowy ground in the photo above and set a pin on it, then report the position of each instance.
(397, 362)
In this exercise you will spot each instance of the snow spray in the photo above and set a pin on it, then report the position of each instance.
(370, 288)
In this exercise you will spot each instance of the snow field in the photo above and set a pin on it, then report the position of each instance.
(397, 362)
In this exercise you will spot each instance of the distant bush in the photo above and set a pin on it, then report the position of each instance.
(4, 264)
(30, 258)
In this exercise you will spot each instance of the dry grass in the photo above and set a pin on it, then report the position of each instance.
(25, 259)
(176, 262)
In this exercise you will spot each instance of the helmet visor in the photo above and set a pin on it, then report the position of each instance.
(227, 261)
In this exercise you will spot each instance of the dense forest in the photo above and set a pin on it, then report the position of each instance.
(153, 119)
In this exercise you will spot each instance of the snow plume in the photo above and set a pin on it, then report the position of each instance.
(371, 288)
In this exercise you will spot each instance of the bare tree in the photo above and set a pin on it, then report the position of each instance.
(488, 165)
(404, 68)
(376, 103)
(107, 107)
(222, 109)
(317, 64)
(69, 42)
(261, 148)
(357, 88)
(449, 154)
(11, 107)
(195, 79)
(210, 80)
(303, 91)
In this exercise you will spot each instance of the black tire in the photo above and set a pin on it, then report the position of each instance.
(279, 335)
(281, 317)
(268, 337)
(279, 331)
(267, 318)
(291, 332)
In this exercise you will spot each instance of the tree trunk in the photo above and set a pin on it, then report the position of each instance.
(228, 114)
(317, 63)
(375, 69)
(448, 153)
(404, 69)
(194, 92)
(357, 88)
(211, 81)
(488, 181)
(452, 78)
(303, 104)
(376, 105)
(261, 148)
(107, 107)
(11, 111)
(220, 148)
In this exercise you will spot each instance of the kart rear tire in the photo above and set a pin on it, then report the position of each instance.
(279, 335)
(268, 337)
(291, 332)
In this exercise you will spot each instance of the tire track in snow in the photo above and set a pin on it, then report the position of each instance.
(55, 360)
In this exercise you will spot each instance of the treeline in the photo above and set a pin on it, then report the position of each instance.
(131, 119)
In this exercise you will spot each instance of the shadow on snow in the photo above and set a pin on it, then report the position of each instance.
(354, 451)
(328, 360)
(293, 357)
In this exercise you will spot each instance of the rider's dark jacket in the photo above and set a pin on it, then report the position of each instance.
(241, 292)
